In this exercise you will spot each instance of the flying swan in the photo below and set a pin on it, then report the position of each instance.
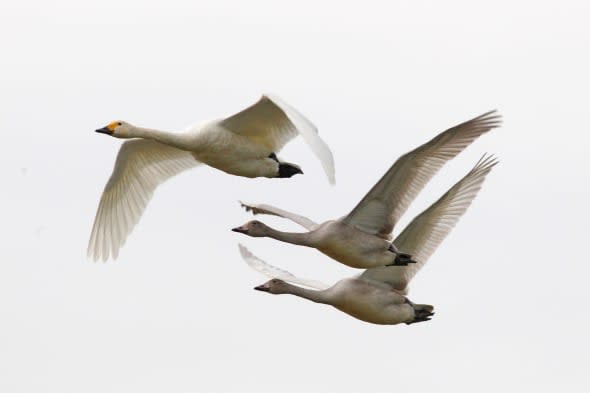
(362, 239)
(378, 294)
(245, 144)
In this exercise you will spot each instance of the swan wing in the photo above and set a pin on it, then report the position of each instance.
(272, 123)
(428, 230)
(275, 211)
(274, 272)
(379, 211)
(141, 166)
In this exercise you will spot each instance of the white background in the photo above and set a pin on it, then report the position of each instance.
(176, 312)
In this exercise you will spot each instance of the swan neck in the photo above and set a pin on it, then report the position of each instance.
(309, 294)
(300, 239)
(168, 138)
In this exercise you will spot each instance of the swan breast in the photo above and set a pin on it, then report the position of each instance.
(371, 303)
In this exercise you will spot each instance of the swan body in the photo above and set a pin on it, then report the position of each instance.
(362, 239)
(233, 153)
(359, 299)
(333, 238)
(378, 294)
(244, 144)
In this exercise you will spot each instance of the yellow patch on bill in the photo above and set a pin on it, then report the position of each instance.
(113, 125)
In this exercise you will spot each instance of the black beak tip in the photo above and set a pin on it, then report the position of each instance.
(104, 130)
(238, 229)
(261, 288)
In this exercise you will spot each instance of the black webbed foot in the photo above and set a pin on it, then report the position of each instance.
(288, 170)
(402, 259)
(421, 316)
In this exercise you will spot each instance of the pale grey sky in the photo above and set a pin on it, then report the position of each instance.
(176, 312)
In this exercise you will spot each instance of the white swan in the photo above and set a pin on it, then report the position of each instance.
(244, 144)
(362, 239)
(377, 295)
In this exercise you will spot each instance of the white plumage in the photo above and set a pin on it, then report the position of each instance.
(244, 144)
(377, 295)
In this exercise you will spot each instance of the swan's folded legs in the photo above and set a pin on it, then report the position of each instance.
(401, 259)
(421, 316)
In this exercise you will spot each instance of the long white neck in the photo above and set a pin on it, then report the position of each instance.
(300, 239)
(309, 294)
(180, 141)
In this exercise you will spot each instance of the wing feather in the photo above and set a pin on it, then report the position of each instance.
(140, 167)
(272, 123)
(428, 230)
(274, 272)
(379, 211)
(275, 211)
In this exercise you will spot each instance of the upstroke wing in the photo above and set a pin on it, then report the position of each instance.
(379, 211)
(428, 230)
(272, 123)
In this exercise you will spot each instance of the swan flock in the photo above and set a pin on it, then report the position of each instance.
(247, 144)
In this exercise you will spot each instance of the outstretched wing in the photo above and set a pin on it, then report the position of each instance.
(274, 272)
(428, 230)
(141, 166)
(379, 211)
(275, 211)
(272, 123)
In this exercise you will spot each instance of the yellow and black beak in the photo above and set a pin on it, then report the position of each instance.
(110, 129)
(105, 130)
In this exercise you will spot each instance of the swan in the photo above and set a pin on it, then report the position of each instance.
(378, 295)
(362, 239)
(244, 144)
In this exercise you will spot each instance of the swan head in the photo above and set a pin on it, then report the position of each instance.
(274, 286)
(118, 129)
(253, 228)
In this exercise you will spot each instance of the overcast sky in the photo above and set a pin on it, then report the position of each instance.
(176, 312)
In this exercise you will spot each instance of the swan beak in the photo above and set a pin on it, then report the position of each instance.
(263, 288)
(240, 230)
(105, 130)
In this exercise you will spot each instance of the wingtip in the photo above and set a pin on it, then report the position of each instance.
(487, 160)
(244, 252)
(493, 117)
(92, 254)
(329, 167)
(249, 207)
(96, 256)
(331, 178)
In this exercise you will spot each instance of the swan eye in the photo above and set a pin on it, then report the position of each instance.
(119, 123)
